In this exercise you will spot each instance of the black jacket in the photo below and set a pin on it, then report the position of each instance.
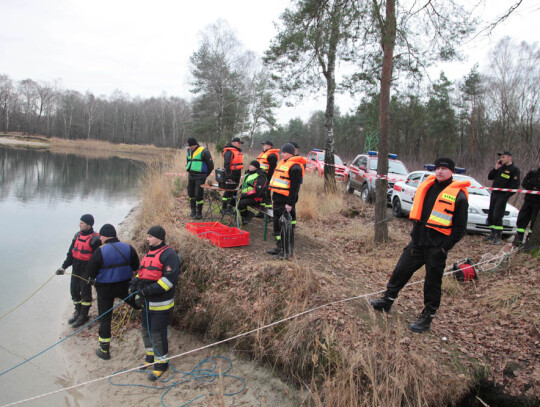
(424, 236)
(507, 176)
(532, 182)
(96, 261)
(70, 260)
(258, 184)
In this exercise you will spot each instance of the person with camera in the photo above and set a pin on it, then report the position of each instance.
(233, 161)
(199, 166)
(504, 175)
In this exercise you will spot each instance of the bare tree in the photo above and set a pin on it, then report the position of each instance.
(28, 91)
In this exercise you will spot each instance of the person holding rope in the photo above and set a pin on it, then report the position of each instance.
(199, 166)
(439, 210)
(531, 205)
(154, 286)
(111, 269)
(233, 161)
(85, 242)
(504, 175)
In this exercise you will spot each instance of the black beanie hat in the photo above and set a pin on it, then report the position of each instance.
(445, 162)
(107, 230)
(288, 148)
(157, 231)
(192, 142)
(256, 164)
(88, 219)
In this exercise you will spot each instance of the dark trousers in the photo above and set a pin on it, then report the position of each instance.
(194, 189)
(156, 344)
(81, 291)
(497, 206)
(412, 258)
(235, 178)
(243, 203)
(106, 293)
(527, 213)
(278, 210)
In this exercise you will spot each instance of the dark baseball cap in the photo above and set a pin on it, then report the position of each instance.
(237, 139)
(505, 153)
(268, 142)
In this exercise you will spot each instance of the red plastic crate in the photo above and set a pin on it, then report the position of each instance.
(202, 229)
(228, 237)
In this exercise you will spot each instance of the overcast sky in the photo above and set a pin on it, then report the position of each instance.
(143, 47)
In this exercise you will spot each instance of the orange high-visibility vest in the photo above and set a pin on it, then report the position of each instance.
(442, 213)
(237, 159)
(281, 182)
(263, 158)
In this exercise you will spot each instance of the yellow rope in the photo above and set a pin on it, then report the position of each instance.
(75, 275)
(31, 295)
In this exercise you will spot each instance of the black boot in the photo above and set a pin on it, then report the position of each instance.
(224, 205)
(490, 236)
(103, 351)
(277, 250)
(83, 317)
(75, 314)
(199, 212)
(423, 323)
(383, 304)
(159, 369)
(148, 362)
(497, 238)
(518, 239)
(192, 205)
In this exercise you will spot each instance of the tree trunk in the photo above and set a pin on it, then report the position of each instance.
(533, 242)
(388, 41)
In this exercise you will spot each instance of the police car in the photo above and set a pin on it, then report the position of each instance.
(315, 163)
(403, 194)
(363, 174)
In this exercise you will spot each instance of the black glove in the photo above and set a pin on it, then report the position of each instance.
(60, 271)
(91, 281)
(139, 301)
(133, 286)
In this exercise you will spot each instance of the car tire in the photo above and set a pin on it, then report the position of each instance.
(348, 187)
(396, 208)
(364, 194)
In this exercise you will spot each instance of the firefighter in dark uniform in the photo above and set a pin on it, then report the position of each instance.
(154, 285)
(439, 210)
(504, 175)
(252, 190)
(285, 185)
(531, 204)
(233, 161)
(268, 159)
(199, 166)
(85, 242)
(111, 269)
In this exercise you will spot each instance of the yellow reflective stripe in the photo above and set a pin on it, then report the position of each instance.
(161, 359)
(104, 340)
(498, 228)
(449, 197)
(505, 176)
(264, 166)
(442, 221)
(164, 283)
(150, 351)
(161, 308)
(76, 302)
(87, 304)
(281, 181)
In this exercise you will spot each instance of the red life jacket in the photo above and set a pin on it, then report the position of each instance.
(81, 248)
(237, 159)
(151, 267)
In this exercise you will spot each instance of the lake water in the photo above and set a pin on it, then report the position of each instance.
(42, 196)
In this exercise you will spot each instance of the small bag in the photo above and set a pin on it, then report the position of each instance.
(464, 271)
(220, 175)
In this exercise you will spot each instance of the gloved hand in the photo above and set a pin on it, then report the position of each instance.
(60, 271)
(139, 301)
(91, 281)
(133, 286)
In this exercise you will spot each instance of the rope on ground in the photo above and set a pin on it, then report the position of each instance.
(502, 257)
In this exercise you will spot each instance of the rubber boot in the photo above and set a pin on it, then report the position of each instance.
(103, 351)
(277, 250)
(198, 215)
(148, 362)
(423, 323)
(83, 316)
(497, 238)
(224, 205)
(518, 239)
(383, 304)
(159, 369)
(490, 236)
(192, 205)
(75, 314)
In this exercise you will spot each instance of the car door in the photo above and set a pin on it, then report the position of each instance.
(362, 168)
(311, 161)
(409, 189)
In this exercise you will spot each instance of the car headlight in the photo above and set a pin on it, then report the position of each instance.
(474, 210)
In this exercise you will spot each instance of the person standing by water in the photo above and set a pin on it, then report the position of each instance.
(199, 166)
(154, 284)
(111, 269)
(85, 242)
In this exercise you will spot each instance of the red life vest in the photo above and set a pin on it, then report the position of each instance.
(151, 267)
(81, 248)
(237, 159)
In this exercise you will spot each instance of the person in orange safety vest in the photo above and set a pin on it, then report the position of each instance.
(233, 161)
(439, 210)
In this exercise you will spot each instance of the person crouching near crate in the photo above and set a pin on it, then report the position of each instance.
(252, 190)
(285, 186)
(199, 166)
(154, 286)
(439, 210)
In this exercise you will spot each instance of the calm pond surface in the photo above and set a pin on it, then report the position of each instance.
(42, 196)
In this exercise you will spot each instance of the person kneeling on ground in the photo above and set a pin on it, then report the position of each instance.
(111, 269)
(252, 190)
(154, 285)
(440, 213)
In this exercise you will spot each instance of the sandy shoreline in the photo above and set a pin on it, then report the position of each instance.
(262, 387)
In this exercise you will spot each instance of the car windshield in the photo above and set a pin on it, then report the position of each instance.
(395, 167)
(337, 160)
(477, 188)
